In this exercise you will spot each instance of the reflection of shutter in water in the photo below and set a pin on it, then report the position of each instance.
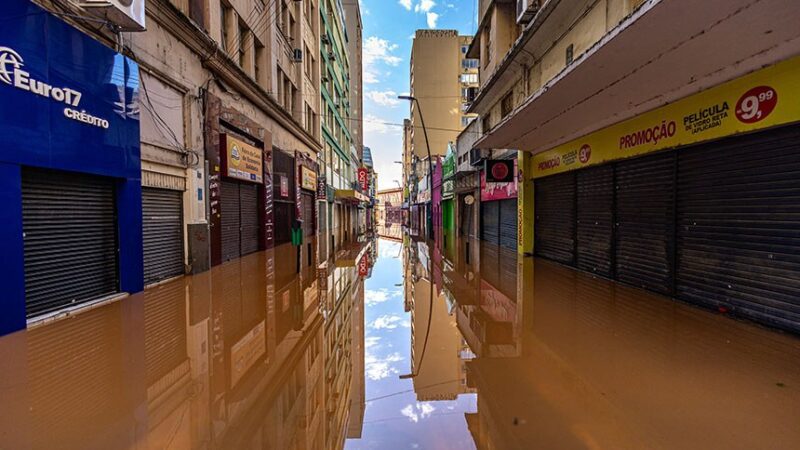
(164, 329)
(77, 389)
(70, 228)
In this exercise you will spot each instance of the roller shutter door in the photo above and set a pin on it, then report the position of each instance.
(490, 226)
(231, 220)
(248, 207)
(645, 234)
(466, 218)
(554, 230)
(284, 215)
(739, 226)
(162, 227)
(308, 215)
(70, 235)
(595, 216)
(508, 223)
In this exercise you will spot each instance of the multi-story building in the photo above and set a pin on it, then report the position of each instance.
(442, 79)
(199, 149)
(645, 155)
(339, 154)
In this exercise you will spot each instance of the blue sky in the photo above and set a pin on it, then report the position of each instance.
(388, 28)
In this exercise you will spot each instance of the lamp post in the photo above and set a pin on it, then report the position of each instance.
(428, 147)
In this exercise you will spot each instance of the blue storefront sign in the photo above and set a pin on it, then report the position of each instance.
(67, 103)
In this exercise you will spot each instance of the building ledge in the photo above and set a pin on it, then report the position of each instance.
(665, 51)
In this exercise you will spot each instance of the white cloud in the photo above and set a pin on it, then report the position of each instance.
(376, 125)
(378, 369)
(389, 322)
(418, 411)
(405, 4)
(433, 18)
(378, 51)
(371, 341)
(424, 6)
(374, 297)
(383, 98)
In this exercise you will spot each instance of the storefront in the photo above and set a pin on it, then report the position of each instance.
(499, 211)
(70, 168)
(448, 193)
(240, 197)
(697, 200)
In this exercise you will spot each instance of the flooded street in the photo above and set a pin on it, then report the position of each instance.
(398, 343)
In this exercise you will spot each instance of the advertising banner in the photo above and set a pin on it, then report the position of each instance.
(763, 99)
(241, 160)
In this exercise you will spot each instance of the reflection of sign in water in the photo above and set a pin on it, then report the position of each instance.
(308, 179)
(242, 161)
(246, 352)
(363, 266)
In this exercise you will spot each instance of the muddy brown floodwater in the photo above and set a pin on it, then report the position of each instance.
(398, 343)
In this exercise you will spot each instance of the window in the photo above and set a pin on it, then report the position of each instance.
(469, 63)
(487, 124)
(570, 54)
(260, 62)
(242, 45)
(464, 49)
(507, 104)
(488, 45)
(225, 14)
(469, 78)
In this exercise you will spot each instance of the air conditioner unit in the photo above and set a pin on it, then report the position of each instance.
(127, 15)
(298, 55)
(325, 39)
(332, 56)
(526, 10)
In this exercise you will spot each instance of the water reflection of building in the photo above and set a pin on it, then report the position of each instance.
(239, 357)
(392, 232)
(438, 350)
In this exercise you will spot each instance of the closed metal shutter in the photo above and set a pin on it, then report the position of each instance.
(595, 214)
(308, 214)
(554, 229)
(70, 233)
(508, 223)
(162, 227)
(490, 226)
(231, 220)
(645, 208)
(248, 207)
(739, 226)
(466, 218)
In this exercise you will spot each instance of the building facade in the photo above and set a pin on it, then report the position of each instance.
(443, 79)
(222, 117)
(637, 171)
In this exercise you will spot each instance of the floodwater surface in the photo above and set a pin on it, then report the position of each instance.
(398, 343)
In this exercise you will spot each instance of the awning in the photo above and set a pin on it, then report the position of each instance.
(665, 51)
(351, 194)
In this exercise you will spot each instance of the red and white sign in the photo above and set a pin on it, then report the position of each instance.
(363, 266)
(363, 178)
(585, 154)
(756, 104)
(284, 186)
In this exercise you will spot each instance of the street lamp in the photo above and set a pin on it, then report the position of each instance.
(427, 145)
(398, 184)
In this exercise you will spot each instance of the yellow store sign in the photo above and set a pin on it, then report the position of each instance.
(760, 100)
(242, 160)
